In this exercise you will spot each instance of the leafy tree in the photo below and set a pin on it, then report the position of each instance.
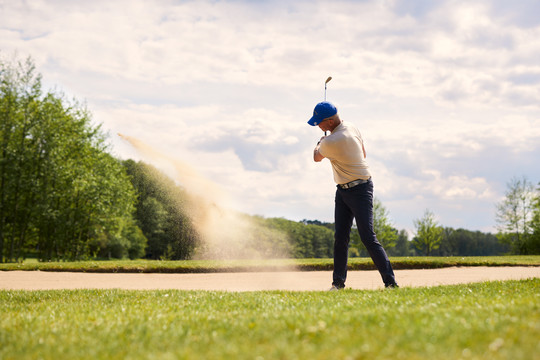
(306, 240)
(514, 215)
(385, 232)
(402, 247)
(461, 242)
(161, 214)
(327, 225)
(428, 233)
(129, 242)
(59, 188)
(268, 238)
(20, 90)
(534, 243)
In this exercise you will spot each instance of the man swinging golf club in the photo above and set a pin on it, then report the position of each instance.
(344, 148)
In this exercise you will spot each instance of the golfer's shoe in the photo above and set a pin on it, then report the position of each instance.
(391, 286)
(336, 288)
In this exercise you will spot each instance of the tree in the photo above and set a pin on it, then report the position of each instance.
(515, 214)
(385, 232)
(20, 90)
(534, 243)
(428, 233)
(160, 213)
(461, 242)
(402, 247)
(303, 239)
(59, 188)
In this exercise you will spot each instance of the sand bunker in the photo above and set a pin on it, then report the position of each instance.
(256, 281)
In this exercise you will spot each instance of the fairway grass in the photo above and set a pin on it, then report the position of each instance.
(492, 320)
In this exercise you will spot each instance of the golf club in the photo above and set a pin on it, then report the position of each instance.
(326, 82)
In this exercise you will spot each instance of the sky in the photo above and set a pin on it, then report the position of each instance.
(445, 93)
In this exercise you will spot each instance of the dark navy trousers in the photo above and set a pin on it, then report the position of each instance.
(357, 203)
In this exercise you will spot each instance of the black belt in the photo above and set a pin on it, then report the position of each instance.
(353, 183)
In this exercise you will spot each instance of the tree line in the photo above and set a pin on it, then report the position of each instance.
(518, 225)
(64, 197)
(430, 239)
(61, 193)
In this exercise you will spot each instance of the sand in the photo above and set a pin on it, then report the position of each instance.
(256, 281)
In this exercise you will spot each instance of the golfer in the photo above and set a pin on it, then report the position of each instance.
(344, 148)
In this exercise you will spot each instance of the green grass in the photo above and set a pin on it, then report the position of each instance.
(198, 266)
(495, 320)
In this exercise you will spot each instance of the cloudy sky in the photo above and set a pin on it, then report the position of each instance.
(445, 93)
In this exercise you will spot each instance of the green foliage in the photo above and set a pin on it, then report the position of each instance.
(402, 247)
(455, 242)
(516, 217)
(534, 242)
(327, 225)
(386, 233)
(461, 242)
(59, 189)
(161, 214)
(267, 238)
(495, 320)
(428, 233)
(127, 242)
(307, 240)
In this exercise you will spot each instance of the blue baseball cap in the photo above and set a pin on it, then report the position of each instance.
(322, 111)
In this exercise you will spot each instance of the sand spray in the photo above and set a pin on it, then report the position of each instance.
(224, 233)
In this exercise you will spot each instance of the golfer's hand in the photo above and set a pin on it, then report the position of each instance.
(316, 154)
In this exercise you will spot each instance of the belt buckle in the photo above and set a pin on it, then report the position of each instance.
(353, 183)
(349, 184)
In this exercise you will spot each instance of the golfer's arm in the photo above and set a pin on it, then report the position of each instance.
(317, 155)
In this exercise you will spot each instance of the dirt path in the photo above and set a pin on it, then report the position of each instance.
(256, 281)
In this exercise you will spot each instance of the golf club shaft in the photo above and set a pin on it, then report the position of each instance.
(326, 82)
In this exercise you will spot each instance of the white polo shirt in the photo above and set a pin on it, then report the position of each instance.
(343, 147)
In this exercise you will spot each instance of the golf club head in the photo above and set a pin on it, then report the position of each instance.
(326, 82)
